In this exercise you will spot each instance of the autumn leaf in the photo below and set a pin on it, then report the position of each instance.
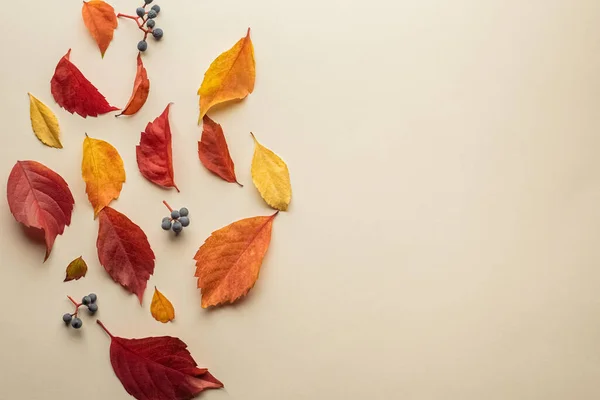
(103, 172)
(158, 368)
(76, 270)
(44, 123)
(124, 251)
(154, 154)
(228, 263)
(161, 308)
(40, 198)
(100, 19)
(271, 177)
(229, 77)
(214, 153)
(73, 92)
(141, 88)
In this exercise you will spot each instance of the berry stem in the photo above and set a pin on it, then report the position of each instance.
(105, 330)
(168, 206)
(77, 305)
(137, 21)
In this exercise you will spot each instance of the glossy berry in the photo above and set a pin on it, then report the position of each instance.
(177, 227)
(67, 318)
(148, 1)
(184, 212)
(150, 23)
(152, 14)
(93, 297)
(86, 300)
(76, 323)
(156, 8)
(142, 45)
(185, 221)
(140, 11)
(175, 214)
(92, 308)
(166, 223)
(157, 33)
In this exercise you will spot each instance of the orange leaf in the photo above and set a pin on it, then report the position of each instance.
(100, 19)
(214, 153)
(229, 77)
(161, 308)
(228, 263)
(141, 88)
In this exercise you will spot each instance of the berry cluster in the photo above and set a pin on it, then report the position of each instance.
(89, 301)
(178, 220)
(146, 22)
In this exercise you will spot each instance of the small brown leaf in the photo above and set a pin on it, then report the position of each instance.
(76, 269)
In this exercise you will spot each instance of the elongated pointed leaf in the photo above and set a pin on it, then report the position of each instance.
(141, 89)
(214, 153)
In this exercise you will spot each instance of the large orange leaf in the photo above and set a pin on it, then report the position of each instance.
(228, 263)
(229, 77)
(100, 19)
(141, 88)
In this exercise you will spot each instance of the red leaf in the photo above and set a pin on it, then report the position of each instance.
(124, 251)
(158, 368)
(40, 198)
(73, 92)
(141, 88)
(154, 157)
(214, 153)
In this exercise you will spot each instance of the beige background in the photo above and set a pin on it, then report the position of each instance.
(442, 241)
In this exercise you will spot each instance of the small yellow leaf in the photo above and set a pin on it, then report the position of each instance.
(229, 77)
(161, 308)
(271, 177)
(44, 123)
(103, 172)
(76, 269)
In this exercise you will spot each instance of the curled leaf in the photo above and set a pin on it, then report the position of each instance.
(141, 88)
(271, 177)
(44, 123)
(229, 77)
(73, 92)
(103, 172)
(76, 270)
(161, 308)
(214, 153)
(40, 198)
(100, 19)
(228, 263)
(154, 154)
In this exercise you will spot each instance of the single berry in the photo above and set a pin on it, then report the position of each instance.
(148, 1)
(156, 8)
(86, 300)
(166, 223)
(177, 227)
(92, 308)
(175, 214)
(76, 323)
(184, 212)
(150, 23)
(140, 11)
(157, 33)
(152, 14)
(67, 318)
(185, 221)
(142, 45)
(93, 297)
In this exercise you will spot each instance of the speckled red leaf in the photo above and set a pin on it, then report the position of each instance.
(213, 151)
(73, 92)
(158, 368)
(154, 157)
(124, 251)
(141, 88)
(40, 198)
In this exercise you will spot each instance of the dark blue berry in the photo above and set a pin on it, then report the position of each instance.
(184, 212)
(93, 297)
(175, 214)
(86, 300)
(142, 45)
(67, 318)
(156, 8)
(140, 11)
(177, 227)
(150, 23)
(76, 323)
(157, 33)
(152, 14)
(185, 221)
(166, 223)
(92, 308)
(147, 1)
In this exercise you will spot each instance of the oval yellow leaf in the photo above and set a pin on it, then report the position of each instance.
(76, 269)
(229, 77)
(103, 172)
(161, 308)
(44, 123)
(271, 177)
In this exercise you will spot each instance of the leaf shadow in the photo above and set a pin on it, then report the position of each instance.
(219, 109)
(35, 236)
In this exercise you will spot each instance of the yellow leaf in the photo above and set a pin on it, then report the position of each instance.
(44, 123)
(103, 172)
(76, 269)
(161, 308)
(229, 77)
(271, 177)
